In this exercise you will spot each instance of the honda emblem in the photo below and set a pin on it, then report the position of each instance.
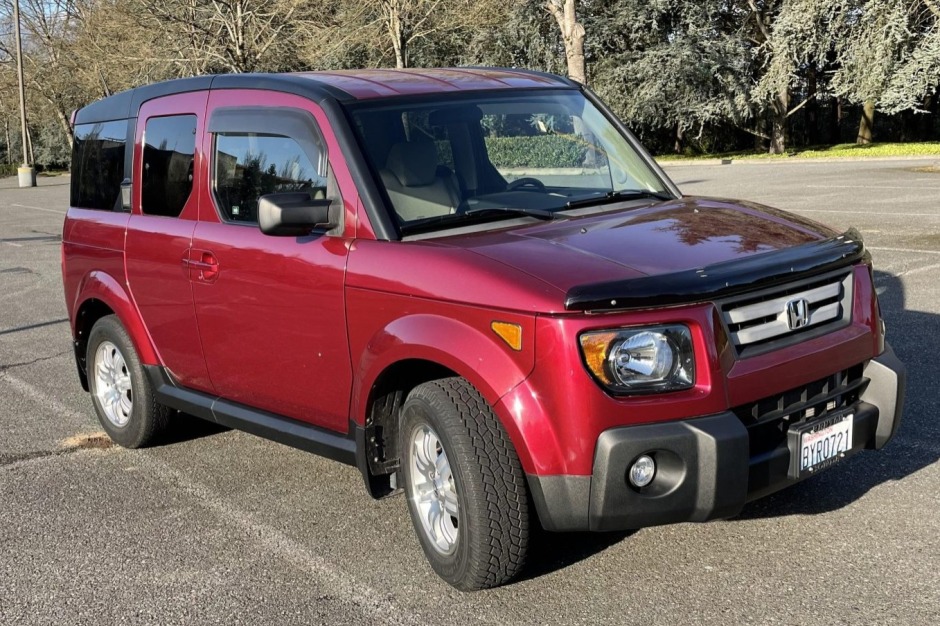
(797, 313)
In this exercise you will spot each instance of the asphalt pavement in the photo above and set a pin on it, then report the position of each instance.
(219, 527)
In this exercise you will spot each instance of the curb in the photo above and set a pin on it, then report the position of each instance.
(792, 160)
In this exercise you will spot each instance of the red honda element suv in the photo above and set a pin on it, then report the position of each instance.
(475, 286)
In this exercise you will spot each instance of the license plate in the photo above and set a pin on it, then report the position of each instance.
(817, 445)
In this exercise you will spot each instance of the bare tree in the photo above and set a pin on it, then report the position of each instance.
(356, 33)
(8, 111)
(48, 27)
(229, 35)
(406, 21)
(572, 34)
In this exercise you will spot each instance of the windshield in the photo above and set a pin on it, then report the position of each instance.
(445, 162)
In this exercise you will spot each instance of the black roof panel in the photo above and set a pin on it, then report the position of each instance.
(343, 86)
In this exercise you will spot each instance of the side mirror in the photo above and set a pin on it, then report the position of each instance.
(293, 214)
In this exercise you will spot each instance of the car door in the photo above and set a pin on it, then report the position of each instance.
(271, 309)
(164, 207)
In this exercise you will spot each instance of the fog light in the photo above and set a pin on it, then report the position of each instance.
(642, 471)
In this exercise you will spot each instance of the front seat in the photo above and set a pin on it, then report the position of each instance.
(417, 184)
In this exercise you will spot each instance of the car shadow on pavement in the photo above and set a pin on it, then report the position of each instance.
(550, 552)
(185, 427)
(915, 338)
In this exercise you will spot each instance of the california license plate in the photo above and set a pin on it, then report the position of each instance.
(817, 445)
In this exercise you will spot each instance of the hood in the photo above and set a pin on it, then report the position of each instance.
(666, 238)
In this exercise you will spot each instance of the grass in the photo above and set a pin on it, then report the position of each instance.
(851, 150)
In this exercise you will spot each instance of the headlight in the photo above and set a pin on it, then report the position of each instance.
(648, 359)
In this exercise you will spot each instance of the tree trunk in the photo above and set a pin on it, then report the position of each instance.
(61, 117)
(867, 123)
(760, 143)
(909, 125)
(835, 118)
(778, 133)
(194, 40)
(925, 120)
(811, 136)
(572, 34)
(401, 52)
(396, 32)
(29, 146)
(65, 125)
(6, 129)
(680, 137)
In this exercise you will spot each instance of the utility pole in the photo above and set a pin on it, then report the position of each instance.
(26, 174)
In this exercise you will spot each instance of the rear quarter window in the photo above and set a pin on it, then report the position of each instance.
(98, 165)
(169, 149)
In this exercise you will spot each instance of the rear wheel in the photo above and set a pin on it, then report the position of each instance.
(465, 486)
(121, 393)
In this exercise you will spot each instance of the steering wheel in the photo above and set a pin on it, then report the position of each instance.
(527, 181)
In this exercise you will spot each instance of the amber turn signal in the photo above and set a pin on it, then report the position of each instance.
(510, 333)
(594, 346)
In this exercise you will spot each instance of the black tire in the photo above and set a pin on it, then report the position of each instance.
(146, 418)
(493, 516)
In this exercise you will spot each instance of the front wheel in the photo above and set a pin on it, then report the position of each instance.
(465, 487)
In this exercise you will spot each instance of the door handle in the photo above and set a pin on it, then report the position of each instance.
(202, 265)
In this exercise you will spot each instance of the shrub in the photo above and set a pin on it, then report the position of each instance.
(540, 151)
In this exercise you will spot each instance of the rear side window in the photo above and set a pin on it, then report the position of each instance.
(169, 146)
(250, 165)
(98, 165)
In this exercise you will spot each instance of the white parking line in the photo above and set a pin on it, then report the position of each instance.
(878, 213)
(334, 580)
(906, 188)
(40, 397)
(918, 270)
(38, 208)
(904, 250)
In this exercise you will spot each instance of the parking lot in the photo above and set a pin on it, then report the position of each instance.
(221, 527)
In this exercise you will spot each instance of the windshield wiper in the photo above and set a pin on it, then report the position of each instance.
(541, 214)
(452, 220)
(617, 196)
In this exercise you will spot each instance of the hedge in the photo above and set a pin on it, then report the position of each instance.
(538, 151)
(8, 169)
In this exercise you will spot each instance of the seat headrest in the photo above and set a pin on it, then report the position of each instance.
(414, 163)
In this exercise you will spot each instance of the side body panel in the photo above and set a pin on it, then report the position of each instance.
(93, 269)
(416, 300)
(273, 320)
(157, 249)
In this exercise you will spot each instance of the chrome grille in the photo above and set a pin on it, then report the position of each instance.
(788, 313)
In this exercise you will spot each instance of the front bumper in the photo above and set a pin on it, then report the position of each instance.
(705, 469)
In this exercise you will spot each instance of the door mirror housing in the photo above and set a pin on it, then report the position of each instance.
(293, 214)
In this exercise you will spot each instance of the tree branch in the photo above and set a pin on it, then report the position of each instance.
(751, 131)
(800, 105)
(557, 13)
(759, 18)
(933, 6)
